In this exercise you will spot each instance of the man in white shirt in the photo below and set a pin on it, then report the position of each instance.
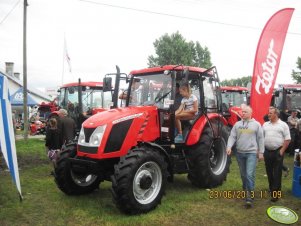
(276, 140)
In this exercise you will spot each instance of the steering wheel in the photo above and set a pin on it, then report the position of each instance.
(158, 98)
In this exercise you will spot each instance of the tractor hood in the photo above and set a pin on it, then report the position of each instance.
(117, 115)
(236, 110)
(235, 115)
(112, 133)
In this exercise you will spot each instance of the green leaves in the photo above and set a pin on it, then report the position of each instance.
(297, 75)
(174, 49)
(243, 81)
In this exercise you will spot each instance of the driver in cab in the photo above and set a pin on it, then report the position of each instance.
(187, 110)
(136, 89)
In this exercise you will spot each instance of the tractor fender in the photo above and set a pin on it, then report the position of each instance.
(164, 152)
(236, 114)
(198, 127)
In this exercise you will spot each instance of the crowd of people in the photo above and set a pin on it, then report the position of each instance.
(268, 142)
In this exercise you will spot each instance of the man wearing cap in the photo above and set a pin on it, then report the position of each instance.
(68, 126)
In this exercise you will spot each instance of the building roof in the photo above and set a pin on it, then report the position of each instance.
(30, 90)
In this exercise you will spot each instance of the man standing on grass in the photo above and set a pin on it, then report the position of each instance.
(292, 122)
(68, 127)
(248, 136)
(276, 140)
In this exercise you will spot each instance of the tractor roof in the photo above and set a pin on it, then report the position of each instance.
(290, 86)
(234, 88)
(167, 67)
(91, 84)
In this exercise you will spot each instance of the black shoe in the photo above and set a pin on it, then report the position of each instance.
(248, 204)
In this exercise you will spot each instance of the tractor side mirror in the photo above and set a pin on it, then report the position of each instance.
(71, 90)
(212, 79)
(226, 114)
(107, 84)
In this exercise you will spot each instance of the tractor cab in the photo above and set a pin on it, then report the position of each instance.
(286, 98)
(157, 89)
(232, 99)
(83, 99)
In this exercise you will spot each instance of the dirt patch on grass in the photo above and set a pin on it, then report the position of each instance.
(25, 161)
(29, 161)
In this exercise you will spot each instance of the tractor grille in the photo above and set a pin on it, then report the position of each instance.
(88, 132)
(117, 136)
(91, 150)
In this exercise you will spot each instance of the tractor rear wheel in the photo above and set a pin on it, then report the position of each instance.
(69, 181)
(208, 160)
(139, 180)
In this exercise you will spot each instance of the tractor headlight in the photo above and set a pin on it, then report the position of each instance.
(97, 135)
(95, 138)
(81, 137)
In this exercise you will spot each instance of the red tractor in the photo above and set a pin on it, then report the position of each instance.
(82, 99)
(38, 119)
(134, 147)
(286, 98)
(45, 109)
(233, 97)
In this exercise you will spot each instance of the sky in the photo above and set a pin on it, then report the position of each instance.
(100, 34)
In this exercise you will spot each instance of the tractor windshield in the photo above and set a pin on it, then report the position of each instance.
(151, 90)
(293, 100)
(234, 98)
(92, 97)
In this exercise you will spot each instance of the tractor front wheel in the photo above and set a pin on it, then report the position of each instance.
(70, 181)
(139, 180)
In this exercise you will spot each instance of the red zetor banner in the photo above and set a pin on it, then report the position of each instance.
(267, 59)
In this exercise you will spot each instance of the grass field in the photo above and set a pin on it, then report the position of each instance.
(183, 204)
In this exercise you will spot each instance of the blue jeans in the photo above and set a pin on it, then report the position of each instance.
(247, 166)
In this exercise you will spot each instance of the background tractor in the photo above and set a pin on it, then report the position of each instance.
(286, 98)
(134, 147)
(83, 99)
(233, 97)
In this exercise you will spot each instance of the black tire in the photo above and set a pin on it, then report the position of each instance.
(139, 181)
(69, 182)
(208, 160)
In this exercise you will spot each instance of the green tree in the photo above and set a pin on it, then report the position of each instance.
(297, 75)
(174, 49)
(243, 81)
